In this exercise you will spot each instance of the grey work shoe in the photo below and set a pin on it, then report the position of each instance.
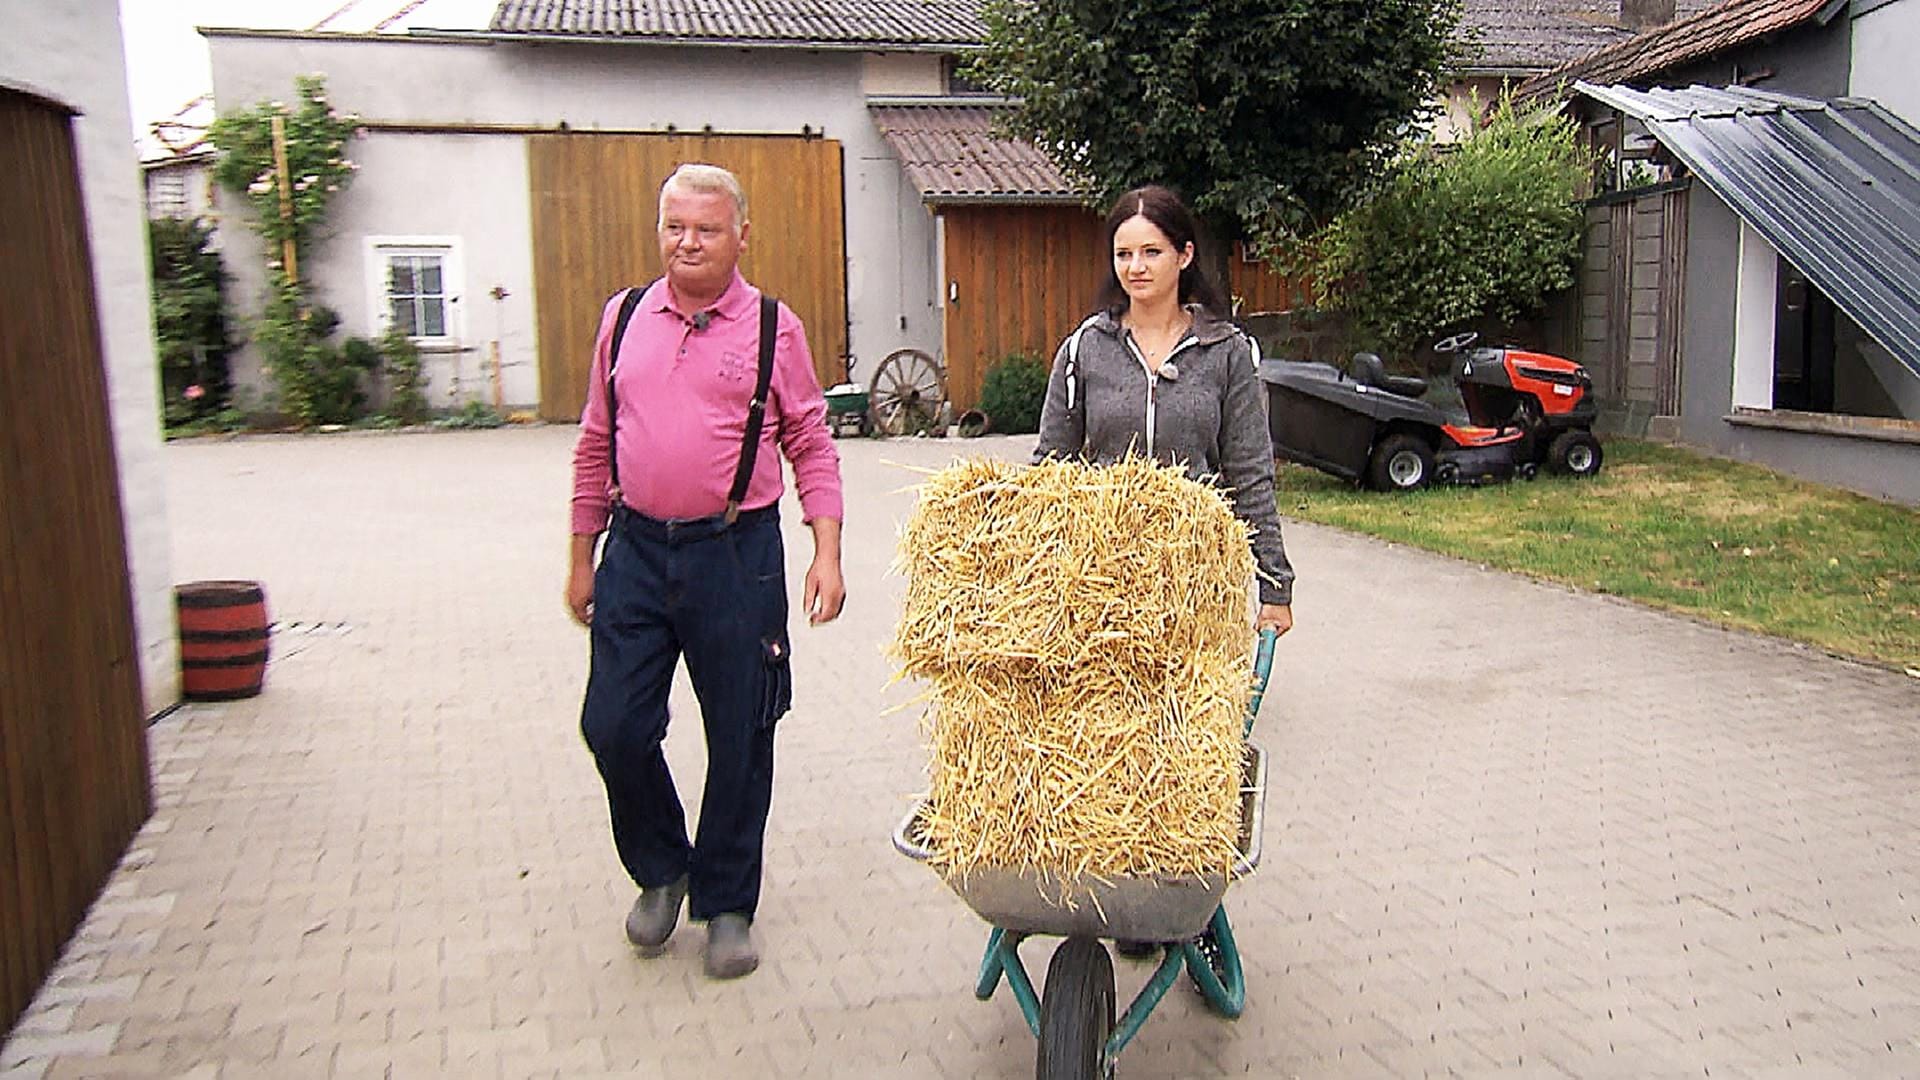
(730, 951)
(654, 916)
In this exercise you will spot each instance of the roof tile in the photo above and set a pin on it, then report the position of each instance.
(952, 156)
(1733, 23)
(826, 22)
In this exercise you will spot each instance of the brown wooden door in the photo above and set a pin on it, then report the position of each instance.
(595, 207)
(73, 752)
(1019, 279)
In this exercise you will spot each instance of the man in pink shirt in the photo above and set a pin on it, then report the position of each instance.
(678, 463)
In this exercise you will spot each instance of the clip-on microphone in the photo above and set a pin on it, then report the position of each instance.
(701, 319)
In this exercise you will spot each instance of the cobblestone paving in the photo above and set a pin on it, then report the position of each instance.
(1511, 828)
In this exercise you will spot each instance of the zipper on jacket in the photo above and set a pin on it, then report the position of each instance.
(1153, 377)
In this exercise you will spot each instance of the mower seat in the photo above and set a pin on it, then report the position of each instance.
(1369, 370)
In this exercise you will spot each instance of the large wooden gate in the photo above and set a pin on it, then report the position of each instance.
(73, 752)
(595, 208)
(1632, 297)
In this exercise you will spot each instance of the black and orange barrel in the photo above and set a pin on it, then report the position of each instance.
(223, 639)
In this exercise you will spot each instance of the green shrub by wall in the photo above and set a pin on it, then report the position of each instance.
(1012, 394)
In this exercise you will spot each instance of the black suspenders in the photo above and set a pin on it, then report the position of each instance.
(756, 410)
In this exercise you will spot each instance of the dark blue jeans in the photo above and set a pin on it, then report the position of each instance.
(717, 596)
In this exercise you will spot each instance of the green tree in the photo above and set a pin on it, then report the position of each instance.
(190, 319)
(1487, 228)
(1266, 115)
(319, 383)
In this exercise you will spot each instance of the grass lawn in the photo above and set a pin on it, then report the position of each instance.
(1732, 543)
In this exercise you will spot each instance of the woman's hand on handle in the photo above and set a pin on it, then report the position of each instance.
(1278, 617)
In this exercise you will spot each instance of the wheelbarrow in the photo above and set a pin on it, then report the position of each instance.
(1073, 1015)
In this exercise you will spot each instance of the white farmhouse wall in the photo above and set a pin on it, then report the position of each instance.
(1884, 41)
(71, 51)
(477, 183)
(471, 189)
(902, 75)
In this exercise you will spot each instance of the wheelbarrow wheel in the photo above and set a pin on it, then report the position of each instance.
(1076, 1012)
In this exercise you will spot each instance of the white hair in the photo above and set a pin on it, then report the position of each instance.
(707, 180)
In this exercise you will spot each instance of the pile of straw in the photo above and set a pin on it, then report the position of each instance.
(1085, 639)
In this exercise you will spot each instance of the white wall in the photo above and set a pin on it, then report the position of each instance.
(1884, 41)
(1754, 310)
(71, 51)
(902, 74)
(476, 183)
(468, 188)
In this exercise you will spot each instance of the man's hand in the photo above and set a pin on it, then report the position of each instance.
(1277, 616)
(826, 591)
(580, 580)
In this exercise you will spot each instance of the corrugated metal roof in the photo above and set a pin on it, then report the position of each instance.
(1833, 186)
(1735, 22)
(952, 156)
(921, 23)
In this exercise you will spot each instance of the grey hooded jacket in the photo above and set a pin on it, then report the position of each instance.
(1203, 411)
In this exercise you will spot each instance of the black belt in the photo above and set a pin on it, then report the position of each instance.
(687, 530)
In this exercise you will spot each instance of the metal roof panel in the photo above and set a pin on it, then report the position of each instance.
(1833, 185)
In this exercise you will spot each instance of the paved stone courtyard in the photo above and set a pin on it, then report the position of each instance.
(1511, 828)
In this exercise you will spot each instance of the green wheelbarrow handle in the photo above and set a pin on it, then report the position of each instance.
(1262, 669)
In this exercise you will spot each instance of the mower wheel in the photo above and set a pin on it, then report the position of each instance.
(1401, 462)
(1575, 453)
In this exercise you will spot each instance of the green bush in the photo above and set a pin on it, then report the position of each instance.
(1488, 228)
(1012, 394)
(406, 386)
(474, 414)
(190, 320)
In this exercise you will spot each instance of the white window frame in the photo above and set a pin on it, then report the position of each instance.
(452, 283)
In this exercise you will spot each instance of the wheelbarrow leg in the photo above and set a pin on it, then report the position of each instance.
(1003, 958)
(1213, 960)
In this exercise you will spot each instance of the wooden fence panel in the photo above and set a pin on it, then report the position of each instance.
(73, 753)
(595, 204)
(1673, 303)
(1631, 296)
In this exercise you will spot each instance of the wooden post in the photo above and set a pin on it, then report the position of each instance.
(286, 195)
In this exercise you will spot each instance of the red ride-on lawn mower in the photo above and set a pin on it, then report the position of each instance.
(1524, 410)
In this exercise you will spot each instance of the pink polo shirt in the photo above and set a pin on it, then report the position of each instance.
(683, 396)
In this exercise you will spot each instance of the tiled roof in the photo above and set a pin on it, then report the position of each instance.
(952, 156)
(1833, 186)
(1533, 35)
(1495, 35)
(910, 23)
(1733, 23)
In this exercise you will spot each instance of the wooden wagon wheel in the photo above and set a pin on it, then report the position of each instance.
(908, 391)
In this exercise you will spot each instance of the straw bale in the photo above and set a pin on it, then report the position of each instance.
(1084, 635)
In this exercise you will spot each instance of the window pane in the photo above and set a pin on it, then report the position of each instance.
(434, 320)
(430, 277)
(400, 276)
(403, 316)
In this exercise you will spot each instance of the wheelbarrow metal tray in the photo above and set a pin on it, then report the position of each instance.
(1161, 908)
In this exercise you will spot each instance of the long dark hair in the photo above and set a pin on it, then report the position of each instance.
(1162, 207)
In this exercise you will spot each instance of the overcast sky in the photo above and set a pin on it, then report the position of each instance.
(167, 59)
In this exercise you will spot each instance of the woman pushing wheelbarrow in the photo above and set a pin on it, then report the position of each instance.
(1084, 634)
